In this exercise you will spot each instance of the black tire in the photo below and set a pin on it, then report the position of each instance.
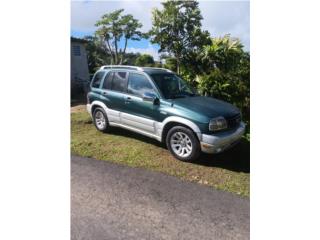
(99, 114)
(195, 151)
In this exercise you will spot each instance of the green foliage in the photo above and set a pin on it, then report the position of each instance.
(96, 54)
(157, 64)
(130, 58)
(177, 29)
(171, 63)
(112, 28)
(227, 73)
(144, 60)
(223, 53)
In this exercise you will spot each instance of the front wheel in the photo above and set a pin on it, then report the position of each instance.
(183, 144)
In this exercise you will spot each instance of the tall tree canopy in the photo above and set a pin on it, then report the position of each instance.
(114, 27)
(177, 29)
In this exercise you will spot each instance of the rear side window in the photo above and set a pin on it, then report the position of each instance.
(97, 79)
(108, 81)
(139, 84)
(119, 82)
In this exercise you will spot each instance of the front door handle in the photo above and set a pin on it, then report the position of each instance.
(104, 93)
(128, 100)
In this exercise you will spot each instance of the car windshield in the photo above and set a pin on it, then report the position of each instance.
(172, 86)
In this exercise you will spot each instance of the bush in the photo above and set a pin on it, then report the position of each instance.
(144, 60)
(226, 73)
(171, 64)
(228, 87)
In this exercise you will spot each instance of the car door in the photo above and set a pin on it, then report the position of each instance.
(137, 112)
(113, 89)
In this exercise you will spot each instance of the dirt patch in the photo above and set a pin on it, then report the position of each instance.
(78, 108)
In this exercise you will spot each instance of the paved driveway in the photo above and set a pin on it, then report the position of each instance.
(110, 201)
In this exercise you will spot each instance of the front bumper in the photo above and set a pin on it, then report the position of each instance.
(221, 141)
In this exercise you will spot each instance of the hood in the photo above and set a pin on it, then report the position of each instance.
(206, 106)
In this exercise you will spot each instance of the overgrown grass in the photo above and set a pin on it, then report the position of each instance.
(229, 171)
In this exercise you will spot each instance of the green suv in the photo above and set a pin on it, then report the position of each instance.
(159, 104)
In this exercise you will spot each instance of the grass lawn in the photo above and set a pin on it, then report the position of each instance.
(229, 171)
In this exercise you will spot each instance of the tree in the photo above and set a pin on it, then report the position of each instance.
(96, 54)
(144, 60)
(177, 29)
(113, 27)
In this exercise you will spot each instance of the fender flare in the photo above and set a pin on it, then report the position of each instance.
(98, 103)
(184, 121)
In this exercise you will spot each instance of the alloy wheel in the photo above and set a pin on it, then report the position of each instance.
(100, 120)
(181, 144)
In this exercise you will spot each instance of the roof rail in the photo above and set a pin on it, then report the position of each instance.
(167, 70)
(132, 67)
(121, 66)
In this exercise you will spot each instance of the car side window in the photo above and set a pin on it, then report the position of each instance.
(138, 85)
(108, 81)
(97, 79)
(119, 82)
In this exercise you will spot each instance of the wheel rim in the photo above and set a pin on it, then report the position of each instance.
(181, 144)
(100, 120)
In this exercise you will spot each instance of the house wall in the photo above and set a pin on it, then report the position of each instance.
(79, 63)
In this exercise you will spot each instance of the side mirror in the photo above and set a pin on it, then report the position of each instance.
(150, 97)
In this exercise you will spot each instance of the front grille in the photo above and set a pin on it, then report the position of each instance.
(234, 121)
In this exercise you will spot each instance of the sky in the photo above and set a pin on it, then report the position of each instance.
(219, 18)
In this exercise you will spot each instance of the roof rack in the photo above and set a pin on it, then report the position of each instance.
(121, 66)
(132, 68)
(164, 69)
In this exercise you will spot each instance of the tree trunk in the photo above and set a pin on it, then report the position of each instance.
(116, 50)
(124, 51)
(110, 50)
(178, 65)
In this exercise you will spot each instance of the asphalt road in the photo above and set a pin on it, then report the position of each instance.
(110, 201)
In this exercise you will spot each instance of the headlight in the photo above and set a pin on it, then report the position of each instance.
(217, 124)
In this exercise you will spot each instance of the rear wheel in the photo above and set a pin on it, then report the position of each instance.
(100, 120)
(183, 144)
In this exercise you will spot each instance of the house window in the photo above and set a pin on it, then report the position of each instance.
(76, 50)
